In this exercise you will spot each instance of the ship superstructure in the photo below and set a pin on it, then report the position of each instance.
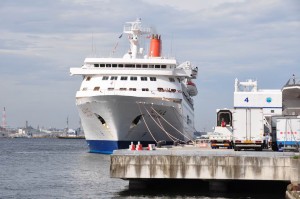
(142, 96)
(291, 97)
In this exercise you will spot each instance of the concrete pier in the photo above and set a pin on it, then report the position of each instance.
(187, 163)
(205, 164)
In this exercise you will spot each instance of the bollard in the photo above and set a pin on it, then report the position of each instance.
(151, 147)
(131, 146)
(139, 147)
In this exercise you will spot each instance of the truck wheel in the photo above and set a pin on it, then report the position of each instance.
(260, 148)
(236, 148)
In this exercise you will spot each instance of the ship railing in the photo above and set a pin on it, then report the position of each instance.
(160, 92)
(293, 82)
(129, 28)
(127, 71)
(114, 66)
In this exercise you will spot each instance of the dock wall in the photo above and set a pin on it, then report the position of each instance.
(191, 164)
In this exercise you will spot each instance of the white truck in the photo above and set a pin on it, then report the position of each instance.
(248, 128)
(285, 133)
(222, 135)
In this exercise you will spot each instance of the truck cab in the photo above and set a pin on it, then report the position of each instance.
(222, 135)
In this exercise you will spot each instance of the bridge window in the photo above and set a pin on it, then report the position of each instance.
(133, 78)
(163, 66)
(171, 79)
(123, 89)
(152, 78)
(121, 65)
(102, 65)
(108, 65)
(143, 78)
(157, 66)
(123, 78)
(151, 66)
(145, 66)
(105, 78)
(145, 89)
(110, 89)
(114, 65)
(138, 66)
(132, 89)
(129, 65)
(113, 77)
(96, 65)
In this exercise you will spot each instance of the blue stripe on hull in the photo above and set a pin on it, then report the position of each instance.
(108, 146)
(102, 146)
(287, 143)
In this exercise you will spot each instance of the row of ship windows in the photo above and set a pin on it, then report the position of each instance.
(130, 66)
(132, 78)
(97, 88)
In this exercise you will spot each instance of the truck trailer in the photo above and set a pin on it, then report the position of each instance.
(248, 128)
(285, 133)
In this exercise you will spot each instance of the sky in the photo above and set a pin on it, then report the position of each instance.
(225, 39)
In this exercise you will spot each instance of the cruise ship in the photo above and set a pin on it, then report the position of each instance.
(140, 97)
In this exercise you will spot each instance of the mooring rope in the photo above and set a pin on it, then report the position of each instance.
(169, 135)
(146, 124)
(166, 131)
(171, 124)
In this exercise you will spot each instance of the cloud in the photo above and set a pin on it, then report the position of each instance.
(41, 40)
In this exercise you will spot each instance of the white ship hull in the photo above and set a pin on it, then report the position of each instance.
(121, 124)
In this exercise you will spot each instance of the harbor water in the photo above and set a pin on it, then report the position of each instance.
(63, 168)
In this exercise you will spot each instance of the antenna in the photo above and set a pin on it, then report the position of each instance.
(93, 48)
(114, 49)
(4, 124)
(67, 123)
(172, 45)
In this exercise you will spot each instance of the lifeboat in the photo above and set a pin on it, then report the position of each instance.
(194, 73)
(192, 89)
